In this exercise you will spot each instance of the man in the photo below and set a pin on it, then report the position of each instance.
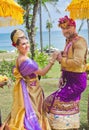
(62, 106)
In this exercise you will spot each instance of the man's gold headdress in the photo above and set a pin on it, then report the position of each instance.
(66, 22)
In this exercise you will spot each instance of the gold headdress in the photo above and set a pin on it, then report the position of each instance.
(66, 22)
(18, 33)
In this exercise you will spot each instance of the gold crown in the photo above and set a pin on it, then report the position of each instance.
(19, 33)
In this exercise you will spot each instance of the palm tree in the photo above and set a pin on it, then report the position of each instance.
(31, 7)
(80, 27)
(49, 26)
(40, 14)
(40, 17)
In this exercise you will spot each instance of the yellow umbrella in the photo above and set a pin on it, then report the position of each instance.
(79, 9)
(11, 13)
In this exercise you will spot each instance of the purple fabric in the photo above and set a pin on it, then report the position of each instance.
(30, 119)
(75, 85)
(28, 67)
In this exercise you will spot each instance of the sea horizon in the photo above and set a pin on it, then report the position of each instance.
(57, 40)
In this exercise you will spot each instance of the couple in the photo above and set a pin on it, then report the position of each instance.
(60, 110)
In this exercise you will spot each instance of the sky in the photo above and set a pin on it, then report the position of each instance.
(61, 5)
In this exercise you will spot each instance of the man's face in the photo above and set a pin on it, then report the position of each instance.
(68, 32)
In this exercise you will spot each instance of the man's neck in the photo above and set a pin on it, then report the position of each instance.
(73, 36)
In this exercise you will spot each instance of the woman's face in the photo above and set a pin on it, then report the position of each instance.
(68, 32)
(23, 46)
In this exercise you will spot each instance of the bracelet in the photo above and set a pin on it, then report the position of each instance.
(52, 62)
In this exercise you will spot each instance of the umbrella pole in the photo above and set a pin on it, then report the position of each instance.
(88, 30)
(0, 119)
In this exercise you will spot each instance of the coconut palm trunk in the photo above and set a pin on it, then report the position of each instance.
(0, 119)
(49, 40)
(49, 26)
(40, 17)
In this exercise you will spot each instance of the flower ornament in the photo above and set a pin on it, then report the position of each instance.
(87, 67)
(66, 22)
(3, 80)
(14, 44)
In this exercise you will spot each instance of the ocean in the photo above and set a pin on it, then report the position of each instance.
(57, 40)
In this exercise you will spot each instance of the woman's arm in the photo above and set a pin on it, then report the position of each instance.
(43, 71)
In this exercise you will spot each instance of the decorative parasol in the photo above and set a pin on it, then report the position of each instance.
(11, 13)
(79, 9)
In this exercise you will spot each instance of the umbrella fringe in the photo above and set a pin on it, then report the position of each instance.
(79, 9)
(12, 11)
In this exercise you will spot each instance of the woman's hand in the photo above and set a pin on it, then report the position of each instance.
(45, 70)
(54, 56)
(2, 85)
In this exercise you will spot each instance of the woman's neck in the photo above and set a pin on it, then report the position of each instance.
(23, 54)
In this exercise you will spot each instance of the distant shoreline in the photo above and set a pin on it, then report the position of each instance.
(8, 56)
(57, 40)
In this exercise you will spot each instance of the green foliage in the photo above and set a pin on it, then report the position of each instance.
(43, 1)
(26, 2)
(48, 24)
(41, 58)
(2, 51)
(46, 47)
(6, 68)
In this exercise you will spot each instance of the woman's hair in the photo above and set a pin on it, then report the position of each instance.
(12, 34)
(19, 40)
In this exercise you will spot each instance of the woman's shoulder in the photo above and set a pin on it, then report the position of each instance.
(21, 59)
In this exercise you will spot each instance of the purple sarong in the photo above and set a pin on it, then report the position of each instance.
(75, 85)
(65, 100)
(30, 119)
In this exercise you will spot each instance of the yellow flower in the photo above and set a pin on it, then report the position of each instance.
(87, 67)
(3, 78)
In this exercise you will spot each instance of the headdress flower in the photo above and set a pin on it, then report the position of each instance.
(66, 22)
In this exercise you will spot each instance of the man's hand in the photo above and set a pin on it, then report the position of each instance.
(59, 57)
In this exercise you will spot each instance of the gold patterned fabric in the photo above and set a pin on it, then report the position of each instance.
(60, 107)
(16, 120)
(35, 91)
(74, 61)
(59, 122)
(62, 115)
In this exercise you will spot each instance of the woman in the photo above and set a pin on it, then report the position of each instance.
(27, 113)
(62, 106)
